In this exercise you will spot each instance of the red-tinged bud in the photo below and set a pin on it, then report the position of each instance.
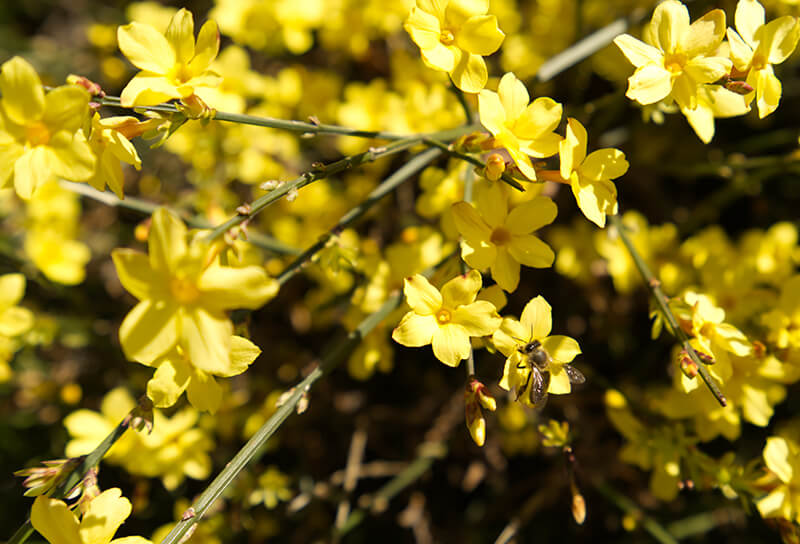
(481, 393)
(476, 423)
(93, 88)
(687, 364)
(495, 166)
(193, 107)
(705, 358)
(738, 87)
(759, 349)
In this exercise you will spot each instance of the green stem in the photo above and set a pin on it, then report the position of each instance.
(469, 158)
(254, 445)
(147, 208)
(388, 185)
(656, 530)
(324, 171)
(663, 303)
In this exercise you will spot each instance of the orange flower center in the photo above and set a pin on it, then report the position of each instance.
(443, 316)
(37, 134)
(500, 236)
(447, 37)
(184, 290)
(674, 63)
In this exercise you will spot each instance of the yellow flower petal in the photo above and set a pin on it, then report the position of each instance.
(204, 393)
(768, 92)
(15, 321)
(243, 353)
(169, 381)
(457, 12)
(480, 35)
(440, 57)
(23, 95)
(492, 204)
(572, 149)
(491, 111)
(704, 35)
(605, 163)
(70, 156)
(531, 215)
(9, 153)
(167, 240)
(461, 290)
(226, 288)
(559, 380)
(32, 170)
(146, 89)
(669, 24)
(707, 69)
(65, 108)
(649, 84)
(206, 337)
(779, 38)
(741, 52)
(596, 198)
(149, 330)
(104, 515)
(415, 330)
(749, 17)
(470, 224)
(469, 72)
(529, 250)
(505, 270)
(134, 272)
(206, 49)
(479, 256)
(12, 289)
(772, 505)
(561, 348)
(423, 297)
(146, 48)
(423, 27)
(638, 52)
(54, 521)
(513, 95)
(509, 336)
(536, 318)
(777, 457)
(539, 117)
(180, 35)
(478, 319)
(450, 344)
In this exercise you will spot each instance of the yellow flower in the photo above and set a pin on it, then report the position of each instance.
(175, 374)
(13, 319)
(172, 65)
(39, 136)
(591, 177)
(682, 60)
(184, 293)
(273, 487)
(109, 139)
(535, 324)
(757, 46)
(524, 130)
(54, 520)
(454, 36)
(501, 240)
(782, 457)
(445, 319)
(714, 101)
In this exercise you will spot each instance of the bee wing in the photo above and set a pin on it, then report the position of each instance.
(540, 382)
(575, 375)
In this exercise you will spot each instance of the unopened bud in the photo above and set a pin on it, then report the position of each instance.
(495, 166)
(42, 479)
(471, 143)
(738, 87)
(142, 230)
(578, 508)
(687, 364)
(141, 417)
(291, 196)
(93, 88)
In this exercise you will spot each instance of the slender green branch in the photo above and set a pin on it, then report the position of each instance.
(663, 303)
(469, 115)
(147, 208)
(250, 450)
(89, 461)
(469, 158)
(649, 524)
(388, 185)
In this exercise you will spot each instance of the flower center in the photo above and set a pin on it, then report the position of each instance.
(759, 62)
(674, 63)
(184, 290)
(443, 316)
(37, 134)
(181, 73)
(500, 236)
(447, 37)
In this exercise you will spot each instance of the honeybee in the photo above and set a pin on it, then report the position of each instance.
(538, 361)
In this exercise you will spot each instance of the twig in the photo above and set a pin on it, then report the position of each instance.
(654, 285)
(469, 158)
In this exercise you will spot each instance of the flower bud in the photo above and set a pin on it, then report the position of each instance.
(495, 166)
